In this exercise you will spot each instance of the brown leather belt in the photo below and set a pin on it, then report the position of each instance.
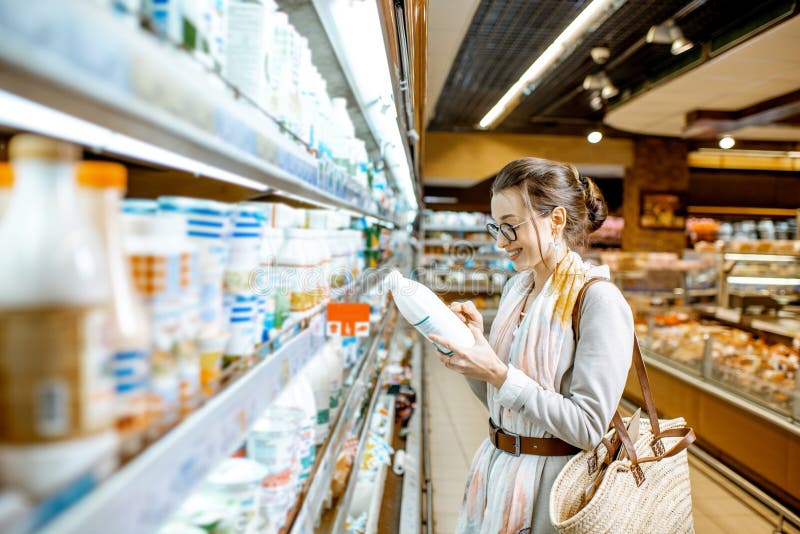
(516, 444)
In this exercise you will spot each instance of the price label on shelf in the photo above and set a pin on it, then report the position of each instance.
(348, 319)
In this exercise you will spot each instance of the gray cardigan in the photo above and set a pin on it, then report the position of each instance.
(593, 376)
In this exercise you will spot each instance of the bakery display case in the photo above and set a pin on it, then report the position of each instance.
(760, 274)
(732, 371)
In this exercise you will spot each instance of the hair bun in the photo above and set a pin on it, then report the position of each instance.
(595, 204)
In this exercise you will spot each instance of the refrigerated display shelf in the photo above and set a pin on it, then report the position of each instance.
(143, 98)
(458, 242)
(141, 496)
(438, 228)
(410, 509)
(378, 485)
(785, 327)
(343, 508)
(323, 471)
(459, 256)
(720, 391)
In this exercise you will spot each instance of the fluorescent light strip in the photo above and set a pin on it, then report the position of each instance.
(756, 281)
(760, 257)
(18, 112)
(582, 22)
(751, 153)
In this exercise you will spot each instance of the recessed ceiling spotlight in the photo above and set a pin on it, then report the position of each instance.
(594, 137)
(727, 142)
(596, 101)
(600, 54)
(669, 33)
(609, 91)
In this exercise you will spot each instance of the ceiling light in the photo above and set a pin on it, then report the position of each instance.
(669, 33)
(727, 142)
(596, 102)
(600, 54)
(594, 137)
(601, 81)
(609, 91)
(589, 17)
(681, 45)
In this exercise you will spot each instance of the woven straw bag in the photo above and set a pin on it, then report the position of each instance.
(646, 492)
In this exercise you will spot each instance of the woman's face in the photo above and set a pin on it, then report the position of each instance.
(509, 207)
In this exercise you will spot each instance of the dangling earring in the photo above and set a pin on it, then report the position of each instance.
(555, 244)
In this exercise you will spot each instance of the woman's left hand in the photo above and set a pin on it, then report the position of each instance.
(479, 361)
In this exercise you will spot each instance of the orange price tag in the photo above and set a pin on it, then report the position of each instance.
(348, 319)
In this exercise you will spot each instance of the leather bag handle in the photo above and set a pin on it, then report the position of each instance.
(638, 363)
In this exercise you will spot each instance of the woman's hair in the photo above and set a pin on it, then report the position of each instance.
(546, 184)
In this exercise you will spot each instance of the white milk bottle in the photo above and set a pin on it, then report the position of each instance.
(102, 187)
(317, 373)
(427, 313)
(56, 389)
(6, 186)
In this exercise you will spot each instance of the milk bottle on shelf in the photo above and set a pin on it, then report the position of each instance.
(160, 275)
(56, 389)
(102, 187)
(6, 183)
(427, 313)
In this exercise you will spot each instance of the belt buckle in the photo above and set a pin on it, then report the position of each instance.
(517, 442)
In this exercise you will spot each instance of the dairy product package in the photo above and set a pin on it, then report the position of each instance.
(427, 313)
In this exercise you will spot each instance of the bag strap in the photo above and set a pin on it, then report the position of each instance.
(638, 362)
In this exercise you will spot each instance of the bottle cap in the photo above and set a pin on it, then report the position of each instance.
(102, 174)
(6, 175)
(39, 147)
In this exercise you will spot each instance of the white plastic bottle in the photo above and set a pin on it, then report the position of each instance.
(335, 369)
(317, 373)
(56, 391)
(6, 186)
(299, 394)
(102, 187)
(427, 313)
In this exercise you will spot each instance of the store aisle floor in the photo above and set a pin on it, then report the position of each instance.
(458, 424)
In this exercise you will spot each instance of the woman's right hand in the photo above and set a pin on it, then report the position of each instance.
(468, 313)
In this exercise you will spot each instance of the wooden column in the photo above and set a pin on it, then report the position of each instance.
(659, 164)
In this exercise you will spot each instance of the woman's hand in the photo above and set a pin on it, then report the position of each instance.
(479, 361)
(468, 313)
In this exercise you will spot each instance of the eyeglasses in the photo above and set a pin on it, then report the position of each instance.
(508, 231)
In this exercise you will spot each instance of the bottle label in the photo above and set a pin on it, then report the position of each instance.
(323, 416)
(426, 327)
(56, 377)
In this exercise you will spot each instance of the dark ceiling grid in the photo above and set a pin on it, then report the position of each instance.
(620, 32)
(487, 77)
(519, 32)
(469, 90)
(505, 36)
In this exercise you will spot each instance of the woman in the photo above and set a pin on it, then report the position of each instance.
(536, 381)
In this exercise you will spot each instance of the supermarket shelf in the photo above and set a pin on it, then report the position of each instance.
(343, 508)
(378, 486)
(749, 212)
(142, 495)
(763, 281)
(659, 362)
(323, 472)
(410, 513)
(459, 255)
(759, 257)
(435, 228)
(458, 242)
(174, 464)
(788, 328)
(142, 98)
